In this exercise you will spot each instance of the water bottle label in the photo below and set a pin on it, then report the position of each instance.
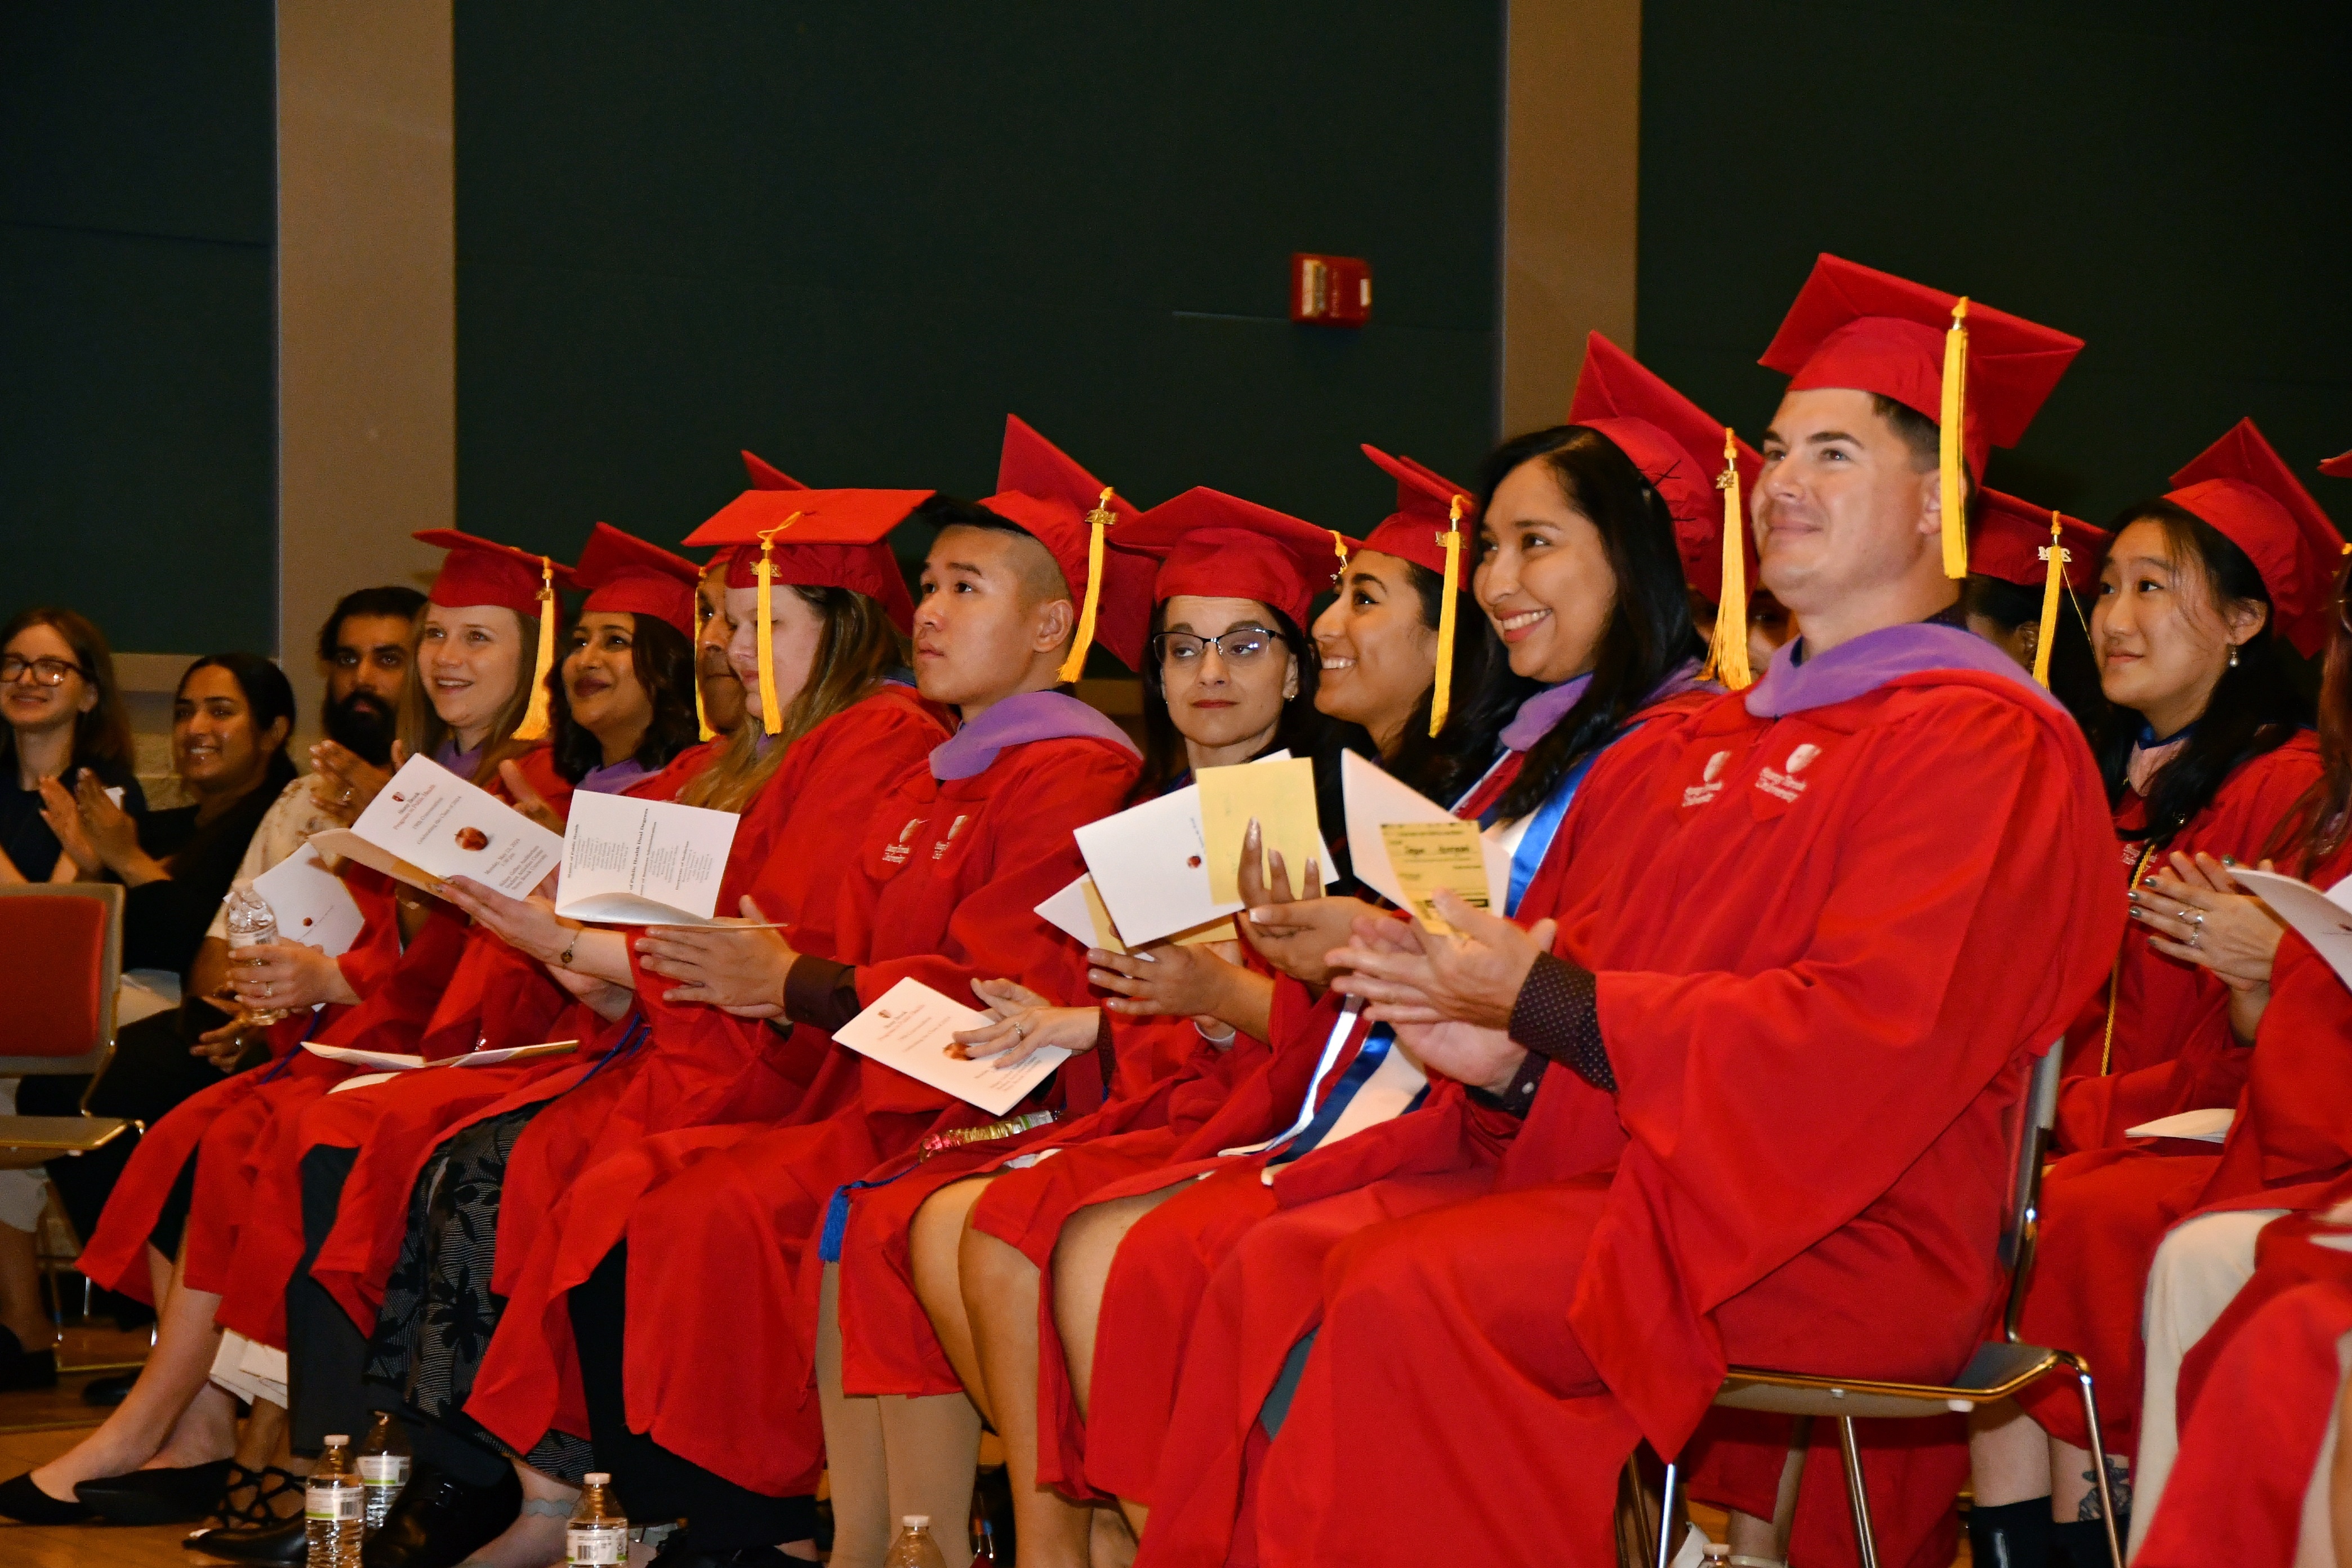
(606, 1545)
(344, 1504)
(385, 1469)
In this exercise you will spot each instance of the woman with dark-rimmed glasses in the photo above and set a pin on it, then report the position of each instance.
(64, 715)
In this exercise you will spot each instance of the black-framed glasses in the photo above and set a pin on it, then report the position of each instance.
(45, 671)
(1238, 646)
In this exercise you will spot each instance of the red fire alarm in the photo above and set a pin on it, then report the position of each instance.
(1331, 290)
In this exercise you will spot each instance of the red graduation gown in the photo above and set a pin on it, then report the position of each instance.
(1819, 994)
(2170, 1049)
(2103, 1213)
(722, 1277)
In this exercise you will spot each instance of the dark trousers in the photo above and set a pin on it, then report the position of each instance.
(654, 1483)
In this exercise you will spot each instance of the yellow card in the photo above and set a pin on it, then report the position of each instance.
(1106, 933)
(1281, 797)
(1427, 855)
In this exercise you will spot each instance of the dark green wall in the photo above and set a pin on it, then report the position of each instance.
(2164, 180)
(137, 369)
(853, 237)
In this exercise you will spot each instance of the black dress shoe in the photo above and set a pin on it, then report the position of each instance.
(25, 1503)
(438, 1520)
(107, 1392)
(22, 1369)
(183, 1494)
(286, 1543)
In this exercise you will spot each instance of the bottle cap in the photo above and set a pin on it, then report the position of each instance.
(917, 1520)
(597, 1478)
(338, 1438)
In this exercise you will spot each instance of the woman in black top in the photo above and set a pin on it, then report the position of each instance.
(230, 720)
(63, 714)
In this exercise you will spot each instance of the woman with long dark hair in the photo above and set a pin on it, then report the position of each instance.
(2105, 1209)
(2207, 745)
(64, 717)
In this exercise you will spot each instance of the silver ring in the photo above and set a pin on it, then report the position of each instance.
(346, 796)
(2193, 941)
(1019, 1031)
(2199, 916)
(268, 987)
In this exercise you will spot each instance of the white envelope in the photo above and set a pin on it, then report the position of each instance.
(1374, 798)
(910, 1026)
(642, 862)
(311, 904)
(2204, 1126)
(398, 1062)
(1150, 865)
(2323, 919)
(428, 825)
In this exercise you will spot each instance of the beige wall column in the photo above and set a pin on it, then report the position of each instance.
(367, 297)
(1571, 163)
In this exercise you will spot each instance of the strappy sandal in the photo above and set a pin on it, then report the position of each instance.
(269, 1482)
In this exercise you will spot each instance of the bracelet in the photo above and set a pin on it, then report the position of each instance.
(1224, 1040)
(563, 959)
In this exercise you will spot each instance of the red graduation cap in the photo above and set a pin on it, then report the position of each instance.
(2337, 467)
(1678, 447)
(1221, 546)
(817, 539)
(1042, 490)
(766, 476)
(622, 573)
(2013, 534)
(1981, 373)
(2242, 487)
(483, 572)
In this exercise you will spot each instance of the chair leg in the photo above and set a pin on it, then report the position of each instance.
(1857, 1493)
(2099, 1458)
(1666, 1518)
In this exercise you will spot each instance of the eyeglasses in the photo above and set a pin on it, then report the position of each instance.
(1239, 646)
(46, 672)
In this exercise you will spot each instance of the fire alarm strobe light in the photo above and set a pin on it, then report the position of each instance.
(1331, 290)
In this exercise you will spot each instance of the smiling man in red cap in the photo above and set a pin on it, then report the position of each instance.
(1772, 1053)
(722, 1264)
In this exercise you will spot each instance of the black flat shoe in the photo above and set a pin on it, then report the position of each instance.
(21, 1369)
(287, 1544)
(183, 1494)
(25, 1503)
(438, 1521)
(108, 1391)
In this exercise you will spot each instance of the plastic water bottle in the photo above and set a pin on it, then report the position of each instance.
(598, 1532)
(383, 1468)
(334, 1513)
(251, 922)
(914, 1548)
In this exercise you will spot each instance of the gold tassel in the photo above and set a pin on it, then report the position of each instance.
(1953, 424)
(1726, 649)
(701, 714)
(1440, 697)
(771, 716)
(534, 716)
(1339, 549)
(1097, 521)
(2051, 586)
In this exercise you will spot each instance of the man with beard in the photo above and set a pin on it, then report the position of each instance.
(160, 1060)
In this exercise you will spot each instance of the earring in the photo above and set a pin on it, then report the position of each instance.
(2233, 655)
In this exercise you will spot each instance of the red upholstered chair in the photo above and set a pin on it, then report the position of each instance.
(60, 958)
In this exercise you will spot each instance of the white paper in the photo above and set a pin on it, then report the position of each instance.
(2204, 1126)
(1372, 799)
(910, 1028)
(642, 862)
(1066, 911)
(2323, 919)
(1149, 864)
(428, 825)
(398, 1062)
(311, 904)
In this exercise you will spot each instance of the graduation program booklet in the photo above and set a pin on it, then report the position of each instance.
(911, 1028)
(311, 904)
(428, 825)
(642, 862)
(1150, 865)
(396, 1061)
(2323, 919)
(1375, 802)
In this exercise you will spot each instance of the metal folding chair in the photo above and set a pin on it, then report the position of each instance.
(1999, 1369)
(64, 947)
